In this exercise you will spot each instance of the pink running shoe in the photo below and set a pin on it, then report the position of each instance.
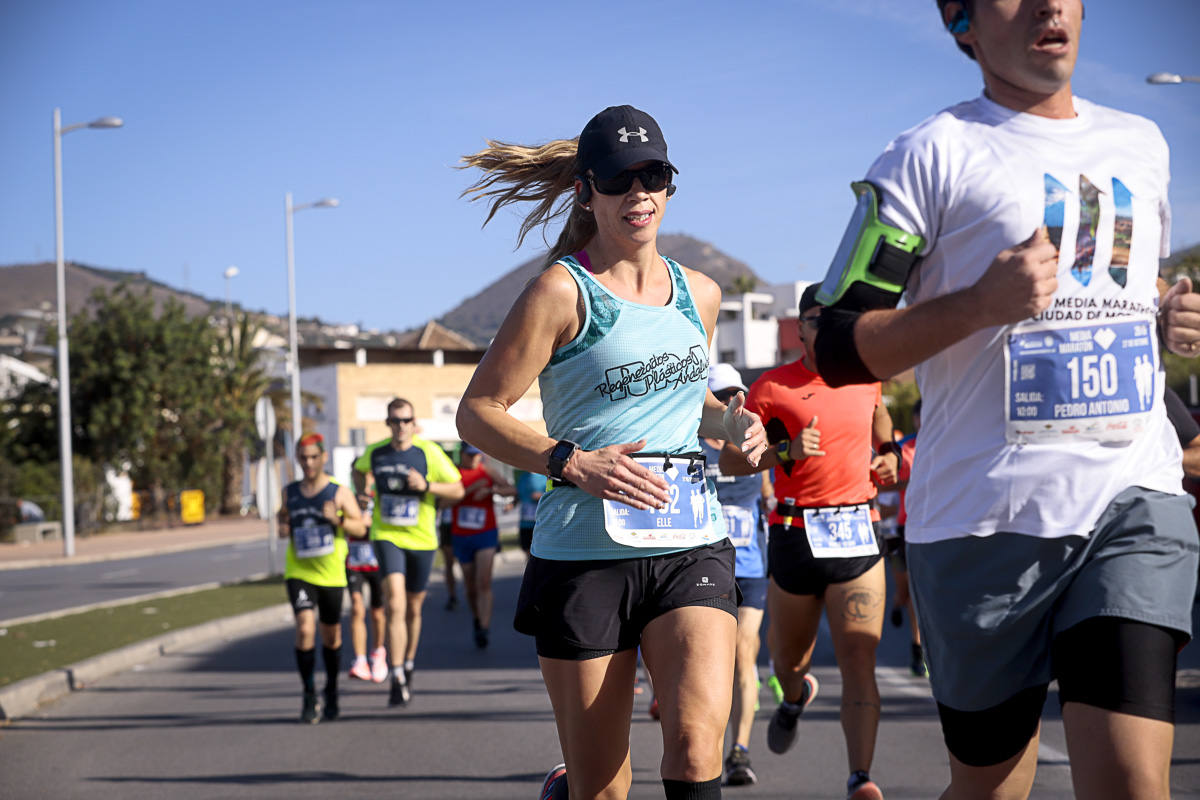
(360, 670)
(379, 667)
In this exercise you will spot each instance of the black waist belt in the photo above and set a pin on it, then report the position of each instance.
(696, 461)
(790, 512)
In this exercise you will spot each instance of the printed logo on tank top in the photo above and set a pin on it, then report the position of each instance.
(662, 371)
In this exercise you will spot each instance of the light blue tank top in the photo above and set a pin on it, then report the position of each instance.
(633, 372)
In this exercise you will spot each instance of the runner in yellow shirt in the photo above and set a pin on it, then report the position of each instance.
(316, 515)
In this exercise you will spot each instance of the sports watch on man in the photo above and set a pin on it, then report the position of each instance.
(560, 454)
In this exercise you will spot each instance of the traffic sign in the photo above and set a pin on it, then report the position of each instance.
(264, 418)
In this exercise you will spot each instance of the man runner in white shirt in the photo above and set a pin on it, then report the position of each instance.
(1047, 534)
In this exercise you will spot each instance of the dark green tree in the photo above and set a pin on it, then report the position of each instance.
(144, 393)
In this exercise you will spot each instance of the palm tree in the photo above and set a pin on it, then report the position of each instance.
(243, 380)
(743, 284)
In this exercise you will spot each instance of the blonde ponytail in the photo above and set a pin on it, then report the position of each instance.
(514, 173)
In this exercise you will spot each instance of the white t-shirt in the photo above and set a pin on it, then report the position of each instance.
(976, 179)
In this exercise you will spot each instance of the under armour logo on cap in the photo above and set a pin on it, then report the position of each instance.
(641, 134)
(619, 137)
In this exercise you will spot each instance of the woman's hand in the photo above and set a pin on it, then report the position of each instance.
(744, 429)
(610, 474)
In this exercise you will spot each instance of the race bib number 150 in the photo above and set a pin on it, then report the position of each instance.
(1092, 382)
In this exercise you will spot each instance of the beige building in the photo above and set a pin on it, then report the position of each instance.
(430, 368)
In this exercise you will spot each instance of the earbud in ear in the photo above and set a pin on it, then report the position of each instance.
(671, 189)
(959, 23)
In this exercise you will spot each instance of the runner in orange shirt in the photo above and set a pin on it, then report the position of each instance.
(823, 550)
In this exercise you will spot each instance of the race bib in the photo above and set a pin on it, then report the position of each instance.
(739, 523)
(843, 532)
(1092, 382)
(471, 518)
(312, 541)
(362, 554)
(399, 509)
(685, 522)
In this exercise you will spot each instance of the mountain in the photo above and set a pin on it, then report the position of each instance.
(480, 315)
(33, 286)
(1189, 254)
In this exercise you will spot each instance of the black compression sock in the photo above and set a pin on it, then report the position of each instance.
(686, 790)
(306, 662)
(333, 662)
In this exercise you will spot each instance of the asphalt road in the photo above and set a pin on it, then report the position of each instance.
(39, 590)
(219, 721)
(56, 587)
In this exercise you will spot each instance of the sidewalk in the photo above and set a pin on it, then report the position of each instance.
(109, 546)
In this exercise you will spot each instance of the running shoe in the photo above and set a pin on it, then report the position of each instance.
(738, 771)
(408, 675)
(400, 694)
(776, 689)
(654, 709)
(330, 709)
(379, 667)
(555, 784)
(917, 664)
(309, 713)
(781, 733)
(360, 670)
(481, 638)
(864, 789)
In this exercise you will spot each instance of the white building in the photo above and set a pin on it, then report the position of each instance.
(15, 373)
(748, 329)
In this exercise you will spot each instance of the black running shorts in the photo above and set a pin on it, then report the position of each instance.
(372, 578)
(578, 610)
(305, 596)
(794, 569)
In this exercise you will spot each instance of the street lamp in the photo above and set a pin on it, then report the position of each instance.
(230, 272)
(294, 360)
(1170, 77)
(64, 370)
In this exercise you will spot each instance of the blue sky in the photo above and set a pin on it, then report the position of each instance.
(770, 110)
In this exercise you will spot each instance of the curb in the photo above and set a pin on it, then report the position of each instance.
(24, 697)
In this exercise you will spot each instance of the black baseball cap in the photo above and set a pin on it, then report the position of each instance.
(809, 298)
(618, 137)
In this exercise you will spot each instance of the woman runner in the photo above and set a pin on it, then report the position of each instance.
(629, 548)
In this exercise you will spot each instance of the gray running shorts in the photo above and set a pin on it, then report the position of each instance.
(990, 606)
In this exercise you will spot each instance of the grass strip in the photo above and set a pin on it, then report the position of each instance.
(36, 647)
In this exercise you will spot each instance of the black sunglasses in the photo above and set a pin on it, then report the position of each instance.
(399, 420)
(654, 178)
(813, 319)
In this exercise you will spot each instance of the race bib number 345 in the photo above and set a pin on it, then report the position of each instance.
(1091, 382)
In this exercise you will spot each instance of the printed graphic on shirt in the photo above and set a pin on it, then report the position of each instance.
(659, 372)
(1056, 194)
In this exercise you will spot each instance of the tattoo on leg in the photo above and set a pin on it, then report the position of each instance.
(866, 704)
(862, 605)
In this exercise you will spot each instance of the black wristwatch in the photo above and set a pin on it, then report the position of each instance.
(559, 455)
